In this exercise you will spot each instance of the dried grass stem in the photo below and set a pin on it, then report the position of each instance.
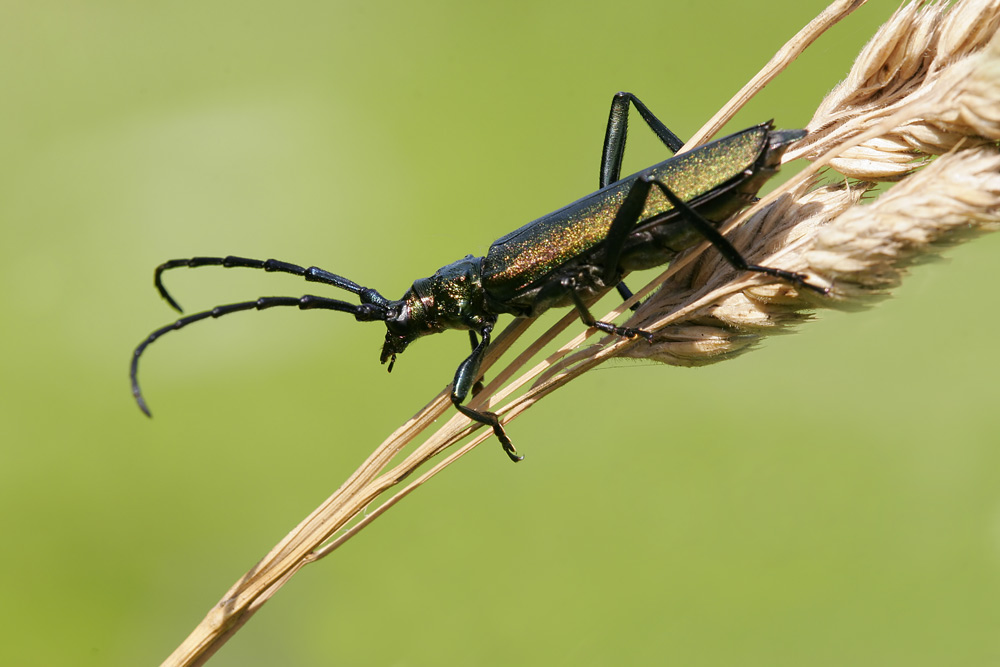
(921, 105)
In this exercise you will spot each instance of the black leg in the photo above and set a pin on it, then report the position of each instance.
(722, 244)
(478, 385)
(614, 137)
(569, 284)
(626, 217)
(626, 294)
(614, 151)
(465, 377)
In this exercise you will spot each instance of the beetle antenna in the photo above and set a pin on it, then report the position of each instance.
(365, 312)
(313, 274)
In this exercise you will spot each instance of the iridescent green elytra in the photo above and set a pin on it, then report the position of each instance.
(724, 175)
(563, 258)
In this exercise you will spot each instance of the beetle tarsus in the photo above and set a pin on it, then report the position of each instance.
(490, 419)
(623, 332)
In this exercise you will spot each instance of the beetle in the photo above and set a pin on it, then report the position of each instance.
(565, 258)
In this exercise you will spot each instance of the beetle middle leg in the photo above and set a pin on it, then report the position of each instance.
(624, 223)
(478, 384)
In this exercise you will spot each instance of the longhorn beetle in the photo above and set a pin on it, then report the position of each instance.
(564, 258)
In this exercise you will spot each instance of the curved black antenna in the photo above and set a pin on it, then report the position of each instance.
(313, 274)
(365, 312)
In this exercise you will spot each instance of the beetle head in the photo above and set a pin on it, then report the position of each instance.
(453, 298)
(414, 317)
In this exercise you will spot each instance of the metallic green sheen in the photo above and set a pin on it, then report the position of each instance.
(529, 254)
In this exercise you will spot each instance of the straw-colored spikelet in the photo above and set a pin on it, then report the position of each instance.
(920, 106)
(937, 65)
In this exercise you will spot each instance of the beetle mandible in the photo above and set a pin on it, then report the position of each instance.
(565, 258)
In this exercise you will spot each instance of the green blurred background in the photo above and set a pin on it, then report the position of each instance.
(830, 499)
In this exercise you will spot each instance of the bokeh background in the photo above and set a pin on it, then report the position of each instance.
(832, 498)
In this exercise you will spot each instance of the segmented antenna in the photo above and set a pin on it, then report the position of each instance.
(373, 306)
(313, 274)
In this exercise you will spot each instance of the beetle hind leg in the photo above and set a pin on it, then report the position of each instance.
(614, 136)
(724, 247)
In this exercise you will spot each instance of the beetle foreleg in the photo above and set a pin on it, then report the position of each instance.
(478, 385)
(465, 377)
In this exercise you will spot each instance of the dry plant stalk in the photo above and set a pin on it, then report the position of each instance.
(924, 92)
(921, 106)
